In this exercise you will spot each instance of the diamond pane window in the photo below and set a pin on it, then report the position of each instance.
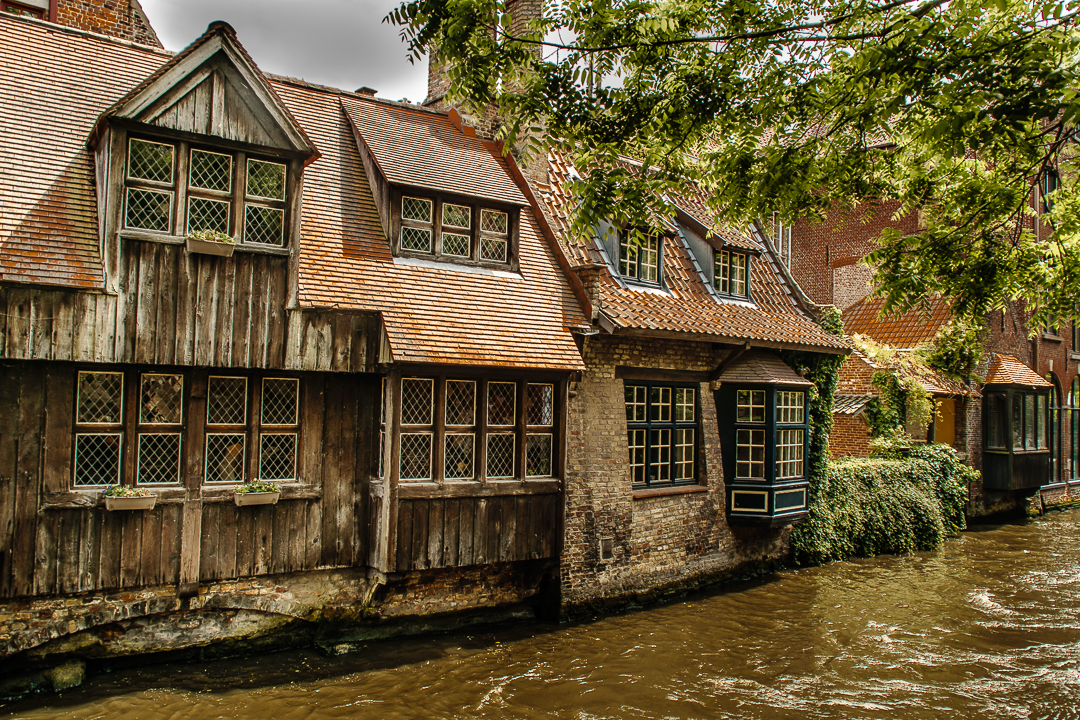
(226, 401)
(265, 180)
(750, 454)
(148, 210)
(206, 214)
(159, 458)
(541, 409)
(454, 244)
(416, 401)
(458, 456)
(279, 401)
(97, 459)
(160, 398)
(415, 456)
(277, 456)
(418, 239)
(750, 406)
(264, 225)
(99, 398)
(492, 221)
(460, 402)
(418, 209)
(502, 403)
(493, 249)
(635, 404)
(790, 407)
(152, 161)
(459, 216)
(538, 455)
(210, 171)
(225, 457)
(500, 455)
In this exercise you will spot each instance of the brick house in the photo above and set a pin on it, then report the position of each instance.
(388, 337)
(824, 261)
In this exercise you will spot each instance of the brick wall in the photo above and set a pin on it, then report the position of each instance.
(850, 437)
(119, 18)
(657, 543)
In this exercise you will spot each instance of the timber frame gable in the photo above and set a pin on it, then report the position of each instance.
(229, 156)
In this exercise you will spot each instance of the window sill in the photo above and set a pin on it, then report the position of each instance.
(493, 269)
(91, 498)
(410, 489)
(167, 239)
(650, 492)
(1052, 337)
(1073, 355)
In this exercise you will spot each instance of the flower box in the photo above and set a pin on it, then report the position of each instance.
(210, 247)
(256, 498)
(141, 502)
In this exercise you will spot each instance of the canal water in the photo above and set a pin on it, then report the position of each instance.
(989, 627)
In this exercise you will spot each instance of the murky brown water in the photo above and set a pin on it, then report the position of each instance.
(987, 628)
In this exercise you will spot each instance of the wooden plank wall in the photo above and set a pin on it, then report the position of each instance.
(69, 550)
(180, 308)
(456, 532)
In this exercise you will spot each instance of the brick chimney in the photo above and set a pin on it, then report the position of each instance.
(123, 19)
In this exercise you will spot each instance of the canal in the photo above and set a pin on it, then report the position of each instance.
(989, 627)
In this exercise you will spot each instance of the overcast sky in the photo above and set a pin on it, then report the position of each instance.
(341, 43)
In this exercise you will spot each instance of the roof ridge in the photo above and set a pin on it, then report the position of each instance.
(56, 27)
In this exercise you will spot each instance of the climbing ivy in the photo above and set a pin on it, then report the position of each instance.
(870, 506)
(957, 349)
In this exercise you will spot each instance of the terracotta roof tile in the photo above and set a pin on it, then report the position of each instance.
(903, 331)
(761, 368)
(1007, 370)
(686, 305)
(54, 86)
(418, 147)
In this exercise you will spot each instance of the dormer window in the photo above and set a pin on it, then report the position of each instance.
(455, 231)
(730, 273)
(176, 189)
(640, 260)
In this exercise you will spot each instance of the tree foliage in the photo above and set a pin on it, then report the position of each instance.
(947, 108)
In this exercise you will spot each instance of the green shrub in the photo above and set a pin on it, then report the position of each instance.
(865, 507)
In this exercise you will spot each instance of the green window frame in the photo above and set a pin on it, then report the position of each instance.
(662, 430)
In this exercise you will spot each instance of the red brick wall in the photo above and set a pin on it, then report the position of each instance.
(119, 18)
(850, 437)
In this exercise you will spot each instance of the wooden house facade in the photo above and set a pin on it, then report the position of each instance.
(210, 276)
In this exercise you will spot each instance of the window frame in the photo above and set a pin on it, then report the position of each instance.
(22, 10)
(722, 273)
(182, 192)
(483, 430)
(646, 429)
(1023, 420)
(438, 227)
(626, 243)
(190, 428)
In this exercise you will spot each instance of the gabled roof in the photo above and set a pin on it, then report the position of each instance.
(217, 84)
(899, 331)
(761, 368)
(421, 148)
(48, 207)
(686, 307)
(1007, 370)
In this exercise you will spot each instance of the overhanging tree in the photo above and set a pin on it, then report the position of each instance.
(954, 110)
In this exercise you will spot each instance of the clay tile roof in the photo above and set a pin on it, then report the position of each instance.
(685, 306)
(421, 148)
(903, 331)
(55, 84)
(850, 404)
(1007, 370)
(432, 312)
(761, 368)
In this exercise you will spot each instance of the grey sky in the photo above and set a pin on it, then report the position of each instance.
(341, 43)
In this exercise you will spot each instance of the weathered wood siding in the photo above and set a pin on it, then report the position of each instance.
(180, 308)
(456, 532)
(49, 544)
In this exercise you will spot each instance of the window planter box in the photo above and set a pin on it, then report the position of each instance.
(205, 247)
(146, 502)
(261, 498)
